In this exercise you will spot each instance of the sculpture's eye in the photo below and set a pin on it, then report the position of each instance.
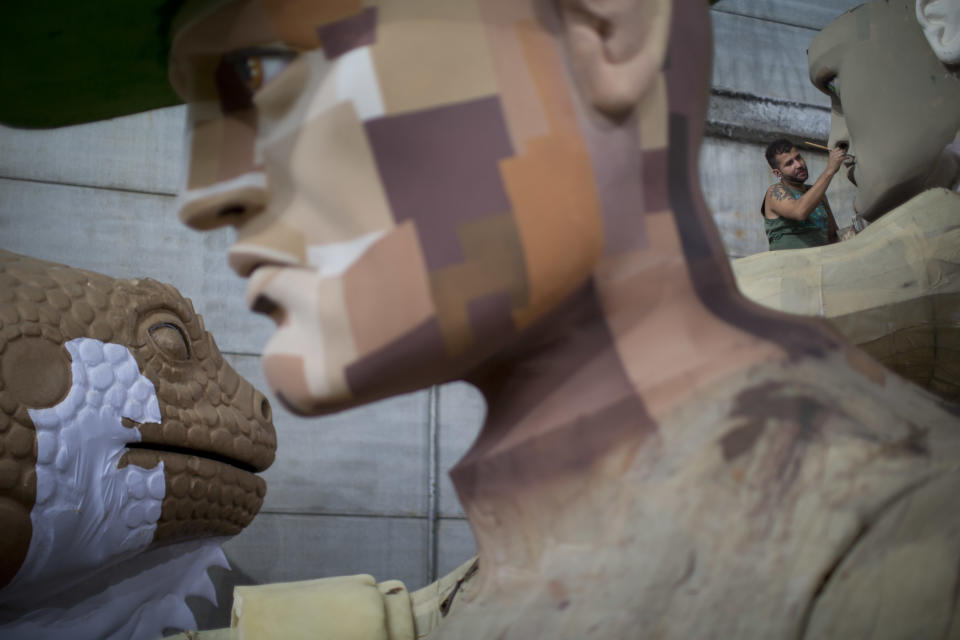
(257, 67)
(171, 340)
(241, 74)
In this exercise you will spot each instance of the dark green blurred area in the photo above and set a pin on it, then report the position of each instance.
(68, 62)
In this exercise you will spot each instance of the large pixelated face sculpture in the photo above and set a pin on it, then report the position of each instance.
(894, 102)
(412, 183)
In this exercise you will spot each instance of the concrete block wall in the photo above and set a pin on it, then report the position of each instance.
(366, 491)
(348, 493)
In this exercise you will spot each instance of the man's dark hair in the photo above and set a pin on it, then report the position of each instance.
(778, 146)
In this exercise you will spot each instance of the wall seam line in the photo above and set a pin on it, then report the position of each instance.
(433, 472)
(784, 23)
(57, 183)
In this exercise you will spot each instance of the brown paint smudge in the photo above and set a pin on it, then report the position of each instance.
(914, 443)
(796, 417)
(740, 440)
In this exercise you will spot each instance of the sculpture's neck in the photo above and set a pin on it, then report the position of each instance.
(577, 408)
(947, 170)
(556, 412)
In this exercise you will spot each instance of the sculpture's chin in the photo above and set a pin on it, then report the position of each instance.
(287, 379)
(871, 204)
(204, 497)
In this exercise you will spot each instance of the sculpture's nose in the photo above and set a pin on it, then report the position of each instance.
(224, 182)
(839, 135)
(231, 202)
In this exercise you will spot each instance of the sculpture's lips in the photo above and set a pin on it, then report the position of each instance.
(267, 306)
(260, 298)
(851, 173)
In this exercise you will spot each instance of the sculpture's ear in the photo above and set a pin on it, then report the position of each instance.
(940, 20)
(617, 47)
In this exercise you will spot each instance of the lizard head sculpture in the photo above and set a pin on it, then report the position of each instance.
(123, 430)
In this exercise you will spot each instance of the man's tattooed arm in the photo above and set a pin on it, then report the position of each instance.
(779, 192)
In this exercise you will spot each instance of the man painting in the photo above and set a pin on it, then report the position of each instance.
(797, 215)
(891, 72)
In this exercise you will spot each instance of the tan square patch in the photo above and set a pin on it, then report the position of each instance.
(386, 290)
(429, 63)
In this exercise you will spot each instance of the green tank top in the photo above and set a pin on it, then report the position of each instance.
(783, 233)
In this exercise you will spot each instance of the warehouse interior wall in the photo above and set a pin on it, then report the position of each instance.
(366, 491)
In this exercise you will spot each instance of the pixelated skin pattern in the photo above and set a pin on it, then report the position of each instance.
(418, 138)
(89, 511)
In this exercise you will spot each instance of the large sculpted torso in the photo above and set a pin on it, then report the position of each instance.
(761, 511)
(893, 289)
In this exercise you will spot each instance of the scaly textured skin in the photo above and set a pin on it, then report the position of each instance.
(206, 408)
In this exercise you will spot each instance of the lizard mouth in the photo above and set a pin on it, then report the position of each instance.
(148, 442)
(185, 451)
(209, 492)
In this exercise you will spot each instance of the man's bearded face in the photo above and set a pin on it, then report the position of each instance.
(792, 166)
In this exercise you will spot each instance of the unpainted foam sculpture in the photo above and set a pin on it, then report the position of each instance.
(128, 448)
(895, 288)
(504, 191)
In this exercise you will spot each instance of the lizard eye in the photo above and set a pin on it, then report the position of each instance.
(170, 339)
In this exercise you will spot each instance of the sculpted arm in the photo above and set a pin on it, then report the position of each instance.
(780, 202)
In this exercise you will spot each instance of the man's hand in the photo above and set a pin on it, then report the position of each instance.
(835, 161)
